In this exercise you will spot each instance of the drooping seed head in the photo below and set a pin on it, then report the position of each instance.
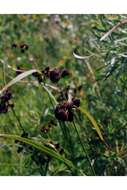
(55, 75)
(61, 114)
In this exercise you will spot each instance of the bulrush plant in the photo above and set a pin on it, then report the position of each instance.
(63, 110)
(63, 87)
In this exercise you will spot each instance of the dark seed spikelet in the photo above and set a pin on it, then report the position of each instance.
(55, 75)
(5, 101)
(76, 102)
(64, 111)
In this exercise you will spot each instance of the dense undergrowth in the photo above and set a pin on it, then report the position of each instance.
(64, 111)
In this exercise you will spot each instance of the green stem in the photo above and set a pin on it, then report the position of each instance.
(18, 120)
(68, 139)
(46, 168)
(84, 149)
(4, 76)
(65, 132)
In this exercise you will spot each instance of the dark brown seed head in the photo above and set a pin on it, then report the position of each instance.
(61, 114)
(6, 96)
(55, 75)
(76, 102)
(65, 73)
(69, 105)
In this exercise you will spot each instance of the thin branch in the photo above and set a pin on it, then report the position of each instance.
(119, 24)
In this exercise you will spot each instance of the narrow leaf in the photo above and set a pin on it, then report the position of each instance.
(93, 121)
(18, 78)
(40, 147)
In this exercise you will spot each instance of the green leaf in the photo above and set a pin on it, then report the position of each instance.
(18, 78)
(93, 121)
(50, 94)
(40, 147)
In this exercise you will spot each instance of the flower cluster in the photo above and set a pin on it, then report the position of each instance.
(64, 111)
(5, 101)
(55, 74)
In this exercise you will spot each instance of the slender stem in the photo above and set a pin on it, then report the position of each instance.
(49, 93)
(84, 149)
(69, 141)
(68, 144)
(65, 132)
(4, 76)
(18, 120)
(46, 168)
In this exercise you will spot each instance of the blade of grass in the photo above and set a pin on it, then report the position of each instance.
(18, 78)
(40, 147)
(93, 121)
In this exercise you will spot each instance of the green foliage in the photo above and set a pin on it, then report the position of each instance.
(91, 145)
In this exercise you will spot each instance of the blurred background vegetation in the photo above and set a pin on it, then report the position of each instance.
(99, 80)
